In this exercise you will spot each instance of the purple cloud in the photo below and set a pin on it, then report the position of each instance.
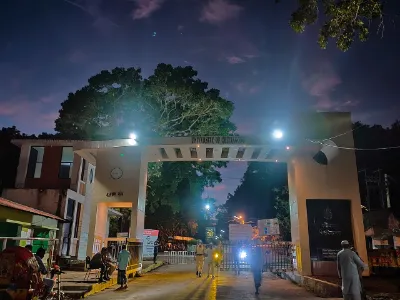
(145, 8)
(219, 11)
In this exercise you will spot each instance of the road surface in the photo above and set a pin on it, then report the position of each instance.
(178, 282)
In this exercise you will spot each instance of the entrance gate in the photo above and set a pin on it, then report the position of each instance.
(120, 179)
(277, 257)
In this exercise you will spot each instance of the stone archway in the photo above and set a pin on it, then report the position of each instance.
(320, 196)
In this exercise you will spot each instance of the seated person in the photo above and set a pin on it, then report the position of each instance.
(97, 262)
(110, 262)
(48, 282)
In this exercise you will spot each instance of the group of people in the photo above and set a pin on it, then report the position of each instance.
(349, 265)
(104, 261)
(39, 256)
(212, 256)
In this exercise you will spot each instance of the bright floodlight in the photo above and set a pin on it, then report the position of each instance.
(132, 139)
(208, 206)
(243, 255)
(277, 134)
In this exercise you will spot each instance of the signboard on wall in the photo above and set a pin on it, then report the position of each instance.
(329, 223)
(150, 236)
(240, 232)
(268, 227)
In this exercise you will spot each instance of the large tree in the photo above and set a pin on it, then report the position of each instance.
(170, 102)
(254, 196)
(344, 21)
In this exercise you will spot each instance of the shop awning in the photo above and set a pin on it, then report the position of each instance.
(17, 206)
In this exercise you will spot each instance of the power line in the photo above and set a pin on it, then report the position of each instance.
(341, 134)
(321, 142)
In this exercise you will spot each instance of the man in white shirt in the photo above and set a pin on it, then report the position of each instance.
(349, 265)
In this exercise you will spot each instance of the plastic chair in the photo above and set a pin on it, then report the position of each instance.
(89, 270)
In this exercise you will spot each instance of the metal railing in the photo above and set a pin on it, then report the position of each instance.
(134, 247)
(277, 256)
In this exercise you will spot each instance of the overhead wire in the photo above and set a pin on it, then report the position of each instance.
(354, 148)
(321, 142)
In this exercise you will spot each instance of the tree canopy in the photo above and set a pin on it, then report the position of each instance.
(343, 21)
(170, 102)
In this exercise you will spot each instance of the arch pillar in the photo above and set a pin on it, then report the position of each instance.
(126, 188)
(310, 183)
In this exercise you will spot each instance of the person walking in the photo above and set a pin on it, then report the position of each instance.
(200, 253)
(155, 252)
(209, 260)
(123, 260)
(349, 265)
(256, 263)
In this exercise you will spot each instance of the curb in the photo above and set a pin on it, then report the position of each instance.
(318, 287)
(98, 287)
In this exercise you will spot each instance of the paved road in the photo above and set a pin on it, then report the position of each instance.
(178, 282)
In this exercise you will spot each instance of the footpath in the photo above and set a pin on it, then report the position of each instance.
(74, 285)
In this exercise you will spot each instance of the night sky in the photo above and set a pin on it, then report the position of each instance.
(51, 47)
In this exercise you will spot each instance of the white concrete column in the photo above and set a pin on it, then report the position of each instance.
(139, 206)
(97, 228)
(86, 218)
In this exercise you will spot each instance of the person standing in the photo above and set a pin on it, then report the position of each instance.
(209, 260)
(48, 282)
(200, 253)
(123, 260)
(349, 265)
(256, 263)
(155, 251)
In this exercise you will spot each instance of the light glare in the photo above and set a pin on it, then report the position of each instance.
(278, 134)
(132, 142)
(132, 136)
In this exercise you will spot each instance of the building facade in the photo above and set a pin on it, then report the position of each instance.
(81, 181)
(51, 178)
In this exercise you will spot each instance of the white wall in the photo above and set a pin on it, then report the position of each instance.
(83, 241)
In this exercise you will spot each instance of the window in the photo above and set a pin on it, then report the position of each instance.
(70, 209)
(67, 159)
(83, 169)
(77, 220)
(35, 162)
